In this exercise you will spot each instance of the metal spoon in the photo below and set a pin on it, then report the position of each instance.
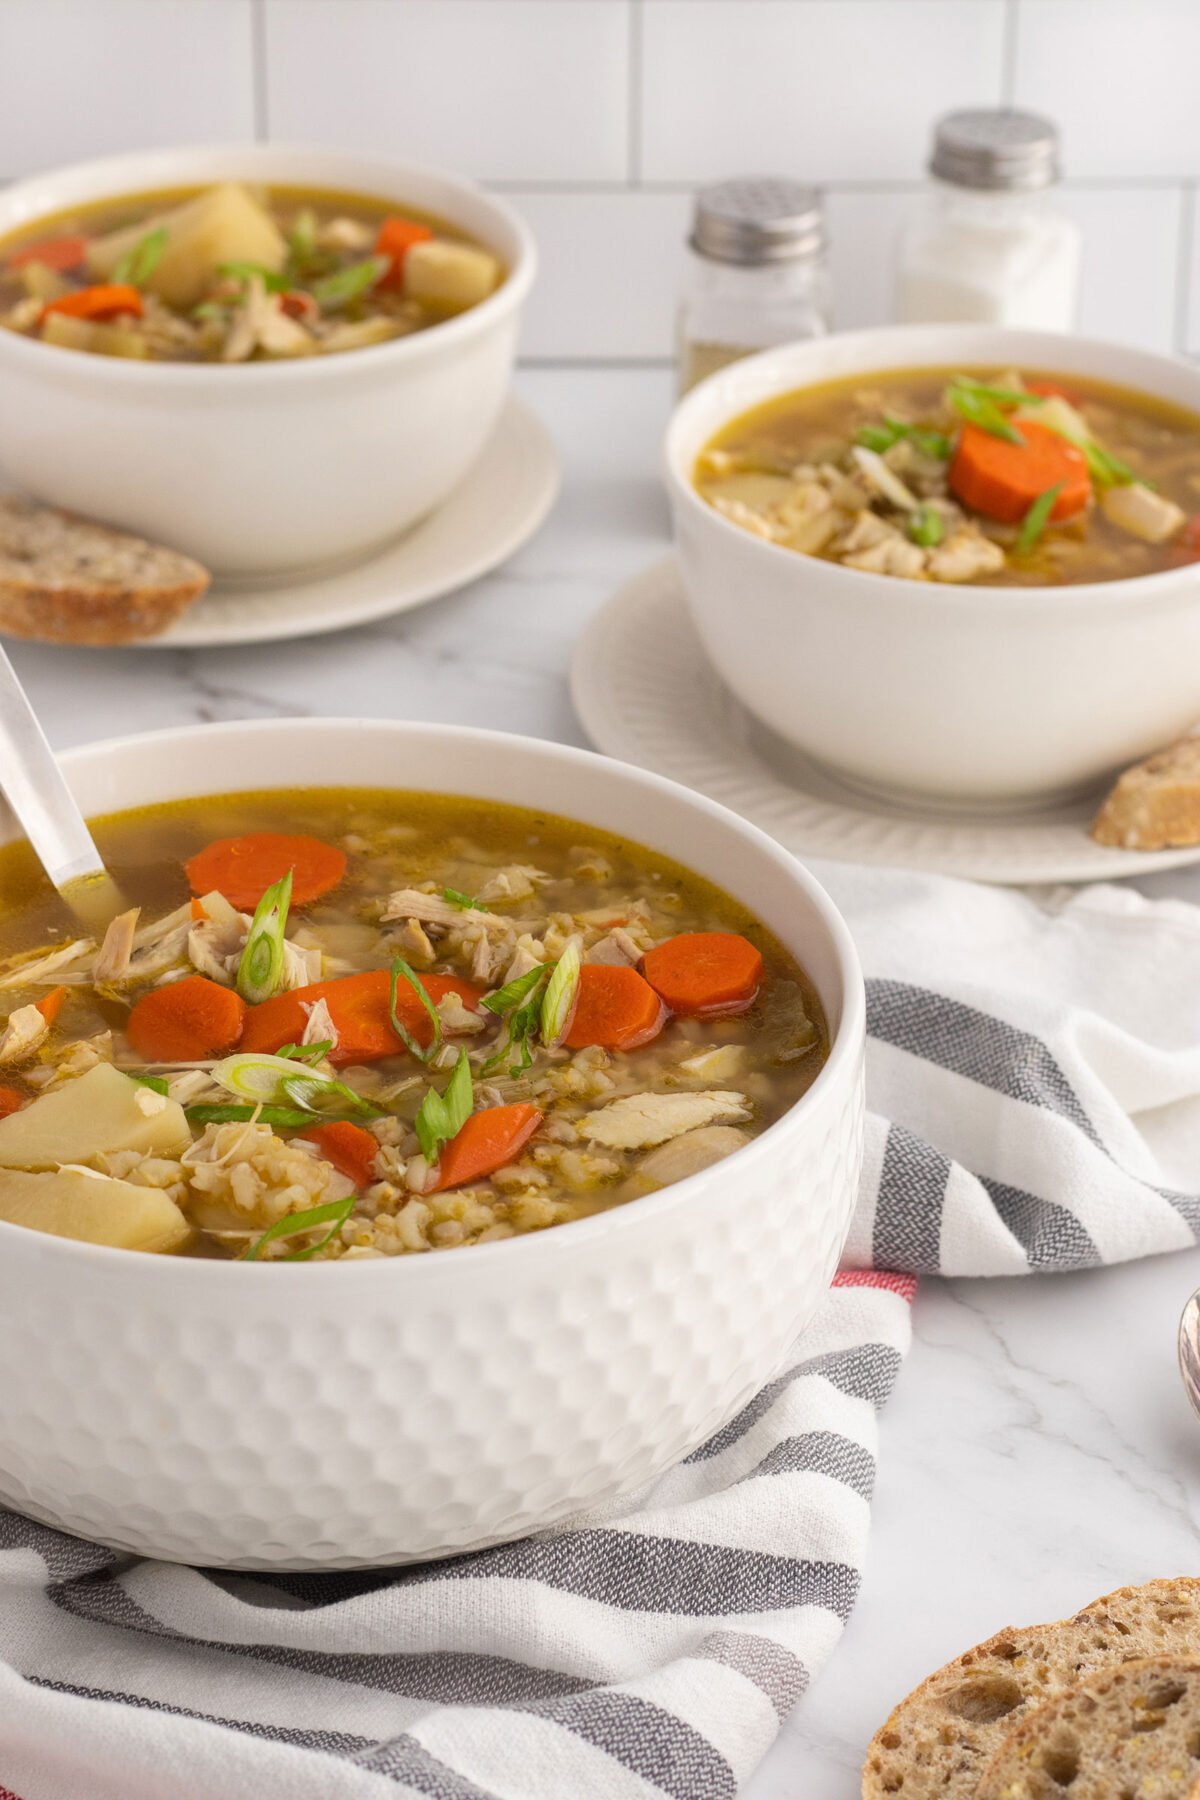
(1189, 1351)
(34, 787)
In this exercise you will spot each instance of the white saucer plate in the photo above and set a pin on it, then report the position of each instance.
(646, 692)
(499, 505)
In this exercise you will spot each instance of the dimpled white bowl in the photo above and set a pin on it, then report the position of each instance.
(261, 468)
(347, 1415)
(962, 697)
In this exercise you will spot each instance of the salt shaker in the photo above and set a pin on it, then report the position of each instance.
(758, 273)
(987, 245)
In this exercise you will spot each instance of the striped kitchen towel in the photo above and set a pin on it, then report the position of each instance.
(1034, 1078)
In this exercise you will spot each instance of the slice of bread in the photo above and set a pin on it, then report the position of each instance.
(1127, 1733)
(1155, 805)
(938, 1741)
(66, 580)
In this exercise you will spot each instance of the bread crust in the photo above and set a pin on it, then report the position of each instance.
(1155, 805)
(939, 1739)
(68, 580)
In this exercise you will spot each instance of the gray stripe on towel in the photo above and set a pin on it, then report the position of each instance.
(820, 1453)
(655, 1744)
(778, 1674)
(975, 1044)
(908, 1211)
(450, 1677)
(66, 1558)
(1051, 1237)
(866, 1372)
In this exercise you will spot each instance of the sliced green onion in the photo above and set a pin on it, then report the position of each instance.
(209, 309)
(350, 283)
(306, 1053)
(877, 437)
(260, 972)
(930, 443)
(276, 1080)
(442, 1116)
(456, 897)
(1002, 396)
(514, 991)
(1036, 519)
(978, 410)
(926, 526)
(521, 1001)
(558, 1002)
(262, 1115)
(155, 1082)
(401, 968)
(139, 263)
(247, 271)
(333, 1213)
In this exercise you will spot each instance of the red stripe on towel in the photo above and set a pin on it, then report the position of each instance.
(904, 1285)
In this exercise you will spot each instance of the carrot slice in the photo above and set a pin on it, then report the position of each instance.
(243, 868)
(396, 238)
(358, 1006)
(53, 253)
(616, 1008)
(486, 1142)
(186, 1021)
(105, 301)
(50, 1005)
(349, 1147)
(11, 1101)
(1002, 480)
(709, 972)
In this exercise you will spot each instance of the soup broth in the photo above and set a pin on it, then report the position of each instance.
(238, 273)
(1011, 478)
(467, 1021)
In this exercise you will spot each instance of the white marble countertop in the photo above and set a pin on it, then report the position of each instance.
(1038, 1449)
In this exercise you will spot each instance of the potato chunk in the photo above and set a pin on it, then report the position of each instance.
(451, 277)
(103, 1111)
(224, 224)
(93, 1208)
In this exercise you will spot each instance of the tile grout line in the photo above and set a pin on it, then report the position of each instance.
(1008, 52)
(258, 67)
(1184, 276)
(634, 80)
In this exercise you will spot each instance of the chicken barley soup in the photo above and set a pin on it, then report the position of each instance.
(1010, 479)
(348, 1024)
(238, 273)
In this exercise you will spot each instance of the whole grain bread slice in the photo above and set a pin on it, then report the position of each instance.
(67, 580)
(938, 1741)
(1155, 805)
(1126, 1733)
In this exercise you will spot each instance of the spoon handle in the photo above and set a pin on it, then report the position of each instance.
(34, 787)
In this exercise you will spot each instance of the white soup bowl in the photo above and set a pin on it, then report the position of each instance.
(358, 1413)
(262, 468)
(951, 696)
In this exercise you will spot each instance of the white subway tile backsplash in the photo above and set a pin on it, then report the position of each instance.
(819, 89)
(508, 90)
(81, 78)
(610, 271)
(1120, 78)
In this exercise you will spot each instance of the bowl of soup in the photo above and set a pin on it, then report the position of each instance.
(403, 1170)
(953, 565)
(269, 358)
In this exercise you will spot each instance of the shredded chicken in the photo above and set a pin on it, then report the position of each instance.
(112, 958)
(260, 323)
(615, 947)
(687, 1155)
(25, 1031)
(640, 1120)
(319, 1028)
(891, 555)
(32, 971)
(963, 555)
(516, 882)
(431, 909)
